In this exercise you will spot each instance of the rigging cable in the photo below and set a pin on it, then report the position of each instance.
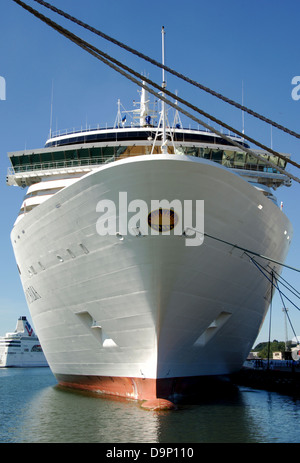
(245, 250)
(291, 289)
(271, 304)
(259, 267)
(262, 269)
(286, 287)
(166, 68)
(206, 89)
(286, 313)
(277, 277)
(141, 55)
(250, 252)
(109, 61)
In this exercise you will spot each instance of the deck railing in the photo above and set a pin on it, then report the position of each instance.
(51, 165)
(97, 161)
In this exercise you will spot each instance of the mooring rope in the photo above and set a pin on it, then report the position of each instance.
(118, 66)
(166, 68)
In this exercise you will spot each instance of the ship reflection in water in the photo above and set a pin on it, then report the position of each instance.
(37, 410)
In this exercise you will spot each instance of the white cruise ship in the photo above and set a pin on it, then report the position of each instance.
(21, 348)
(146, 305)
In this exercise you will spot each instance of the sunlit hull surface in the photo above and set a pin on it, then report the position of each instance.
(140, 315)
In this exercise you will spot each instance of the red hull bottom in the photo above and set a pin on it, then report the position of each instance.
(157, 393)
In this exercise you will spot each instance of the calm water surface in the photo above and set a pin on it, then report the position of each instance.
(34, 409)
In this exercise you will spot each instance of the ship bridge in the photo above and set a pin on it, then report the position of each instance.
(31, 166)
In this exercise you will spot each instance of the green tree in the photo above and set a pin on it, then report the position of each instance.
(263, 348)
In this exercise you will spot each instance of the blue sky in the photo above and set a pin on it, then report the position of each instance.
(226, 46)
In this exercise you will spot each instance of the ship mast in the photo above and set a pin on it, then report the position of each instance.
(144, 107)
(164, 148)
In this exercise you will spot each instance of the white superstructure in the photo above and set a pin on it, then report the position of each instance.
(21, 348)
(141, 311)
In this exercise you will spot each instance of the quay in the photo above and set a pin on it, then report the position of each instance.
(276, 376)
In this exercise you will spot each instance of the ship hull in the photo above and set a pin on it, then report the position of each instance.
(141, 314)
(20, 362)
(20, 355)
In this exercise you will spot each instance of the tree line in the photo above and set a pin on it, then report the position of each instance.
(263, 348)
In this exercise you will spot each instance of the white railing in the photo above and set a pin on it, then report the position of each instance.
(58, 165)
(82, 129)
(62, 132)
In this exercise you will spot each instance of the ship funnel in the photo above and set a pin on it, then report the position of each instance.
(23, 326)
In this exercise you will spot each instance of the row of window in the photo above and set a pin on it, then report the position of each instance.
(123, 135)
(99, 155)
(35, 348)
(50, 191)
(92, 155)
(233, 159)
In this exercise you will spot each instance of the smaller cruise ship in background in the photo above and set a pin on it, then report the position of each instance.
(22, 347)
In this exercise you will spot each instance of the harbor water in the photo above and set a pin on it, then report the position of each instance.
(34, 409)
